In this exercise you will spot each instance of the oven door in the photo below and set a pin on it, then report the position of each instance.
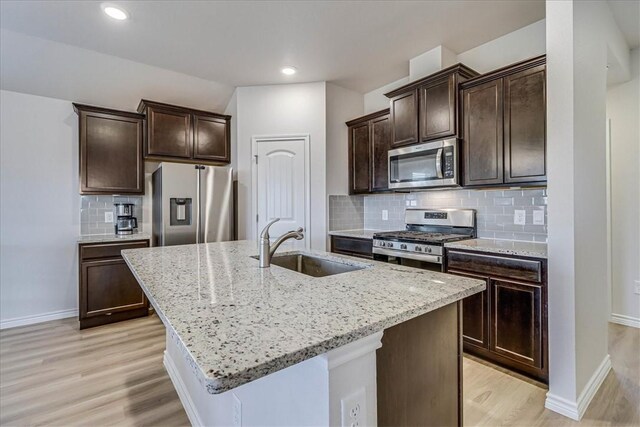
(433, 164)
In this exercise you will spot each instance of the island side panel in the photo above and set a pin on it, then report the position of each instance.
(419, 371)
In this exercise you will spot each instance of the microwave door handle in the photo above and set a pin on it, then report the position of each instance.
(439, 163)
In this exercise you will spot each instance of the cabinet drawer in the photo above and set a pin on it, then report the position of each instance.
(109, 250)
(490, 265)
(351, 246)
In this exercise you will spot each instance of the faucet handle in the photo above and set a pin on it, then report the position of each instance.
(265, 231)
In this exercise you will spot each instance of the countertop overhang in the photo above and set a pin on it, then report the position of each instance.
(237, 322)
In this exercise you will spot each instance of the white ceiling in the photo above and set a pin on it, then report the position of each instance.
(627, 16)
(358, 45)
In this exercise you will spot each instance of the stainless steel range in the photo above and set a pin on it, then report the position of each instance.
(421, 244)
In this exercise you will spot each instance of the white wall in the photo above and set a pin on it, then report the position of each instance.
(624, 113)
(283, 110)
(47, 68)
(518, 45)
(577, 46)
(39, 208)
(342, 106)
(376, 101)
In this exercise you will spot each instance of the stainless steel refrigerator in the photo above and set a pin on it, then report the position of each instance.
(192, 204)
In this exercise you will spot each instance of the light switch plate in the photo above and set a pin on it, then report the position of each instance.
(519, 217)
(414, 203)
(538, 217)
(108, 217)
(385, 215)
(408, 202)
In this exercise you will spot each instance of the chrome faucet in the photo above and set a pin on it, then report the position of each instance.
(267, 250)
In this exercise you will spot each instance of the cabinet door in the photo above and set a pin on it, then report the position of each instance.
(359, 158)
(211, 138)
(111, 154)
(169, 132)
(482, 112)
(438, 109)
(380, 145)
(404, 118)
(516, 315)
(525, 126)
(475, 314)
(108, 286)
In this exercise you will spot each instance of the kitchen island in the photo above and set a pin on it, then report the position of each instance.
(252, 346)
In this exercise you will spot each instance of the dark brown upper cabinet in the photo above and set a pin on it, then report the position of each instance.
(482, 126)
(110, 151)
(504, 126)
(369, 142)
(185, 135)
(426, 109)
(211, 138)
(404, 118)
(525, 126)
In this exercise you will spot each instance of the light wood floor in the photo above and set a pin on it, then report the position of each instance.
(54, 374)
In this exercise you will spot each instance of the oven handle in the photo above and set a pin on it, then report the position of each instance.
(418, 257)
(439, 165)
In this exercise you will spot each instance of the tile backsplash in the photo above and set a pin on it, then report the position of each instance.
(93, 208)
(495, 210)
(346, 212)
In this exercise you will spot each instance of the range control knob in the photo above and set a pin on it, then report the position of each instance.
(418, 249)
(389, 245)
(429, 250)
(382, 244)
(403, 246)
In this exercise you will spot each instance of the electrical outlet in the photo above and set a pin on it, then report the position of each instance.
(354, 410)
(385, 215)
(407, 202)
(637, 287)
(108, 217)
(519, 217)
(538, 217)
(414, 203)
(237, 411)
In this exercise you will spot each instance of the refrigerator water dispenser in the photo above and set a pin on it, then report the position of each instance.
(180, 211)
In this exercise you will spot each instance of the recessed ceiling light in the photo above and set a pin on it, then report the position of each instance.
(114, 11)
(289, 71)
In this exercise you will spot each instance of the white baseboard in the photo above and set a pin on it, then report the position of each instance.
(622, 319)
(38, 318)
(575, 410)
(181, 389)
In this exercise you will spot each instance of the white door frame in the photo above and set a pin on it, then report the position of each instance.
(307, 181)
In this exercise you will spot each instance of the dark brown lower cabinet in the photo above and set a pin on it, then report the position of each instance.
(362, 248)
(419, 371)
(108, 290)
(507, 323)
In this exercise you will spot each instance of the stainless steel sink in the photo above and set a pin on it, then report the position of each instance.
(312, 266)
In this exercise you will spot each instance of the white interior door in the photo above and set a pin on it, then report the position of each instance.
(281, 184)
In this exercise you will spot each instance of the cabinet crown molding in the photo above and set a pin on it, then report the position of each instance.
(78, 108)
(144, 103)
(368, 117)
(505, 71)
(459, 68)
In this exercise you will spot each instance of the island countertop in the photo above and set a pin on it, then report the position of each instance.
(237, 322)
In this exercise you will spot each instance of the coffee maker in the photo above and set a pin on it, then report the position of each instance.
(125, 222)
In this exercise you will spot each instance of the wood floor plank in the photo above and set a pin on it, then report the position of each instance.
(54, 374)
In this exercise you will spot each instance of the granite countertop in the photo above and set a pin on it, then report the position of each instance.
(505, 247)
(358, 234)
(237, 322)
(108, 238)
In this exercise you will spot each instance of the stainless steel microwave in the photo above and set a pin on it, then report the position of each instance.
(433, 164)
